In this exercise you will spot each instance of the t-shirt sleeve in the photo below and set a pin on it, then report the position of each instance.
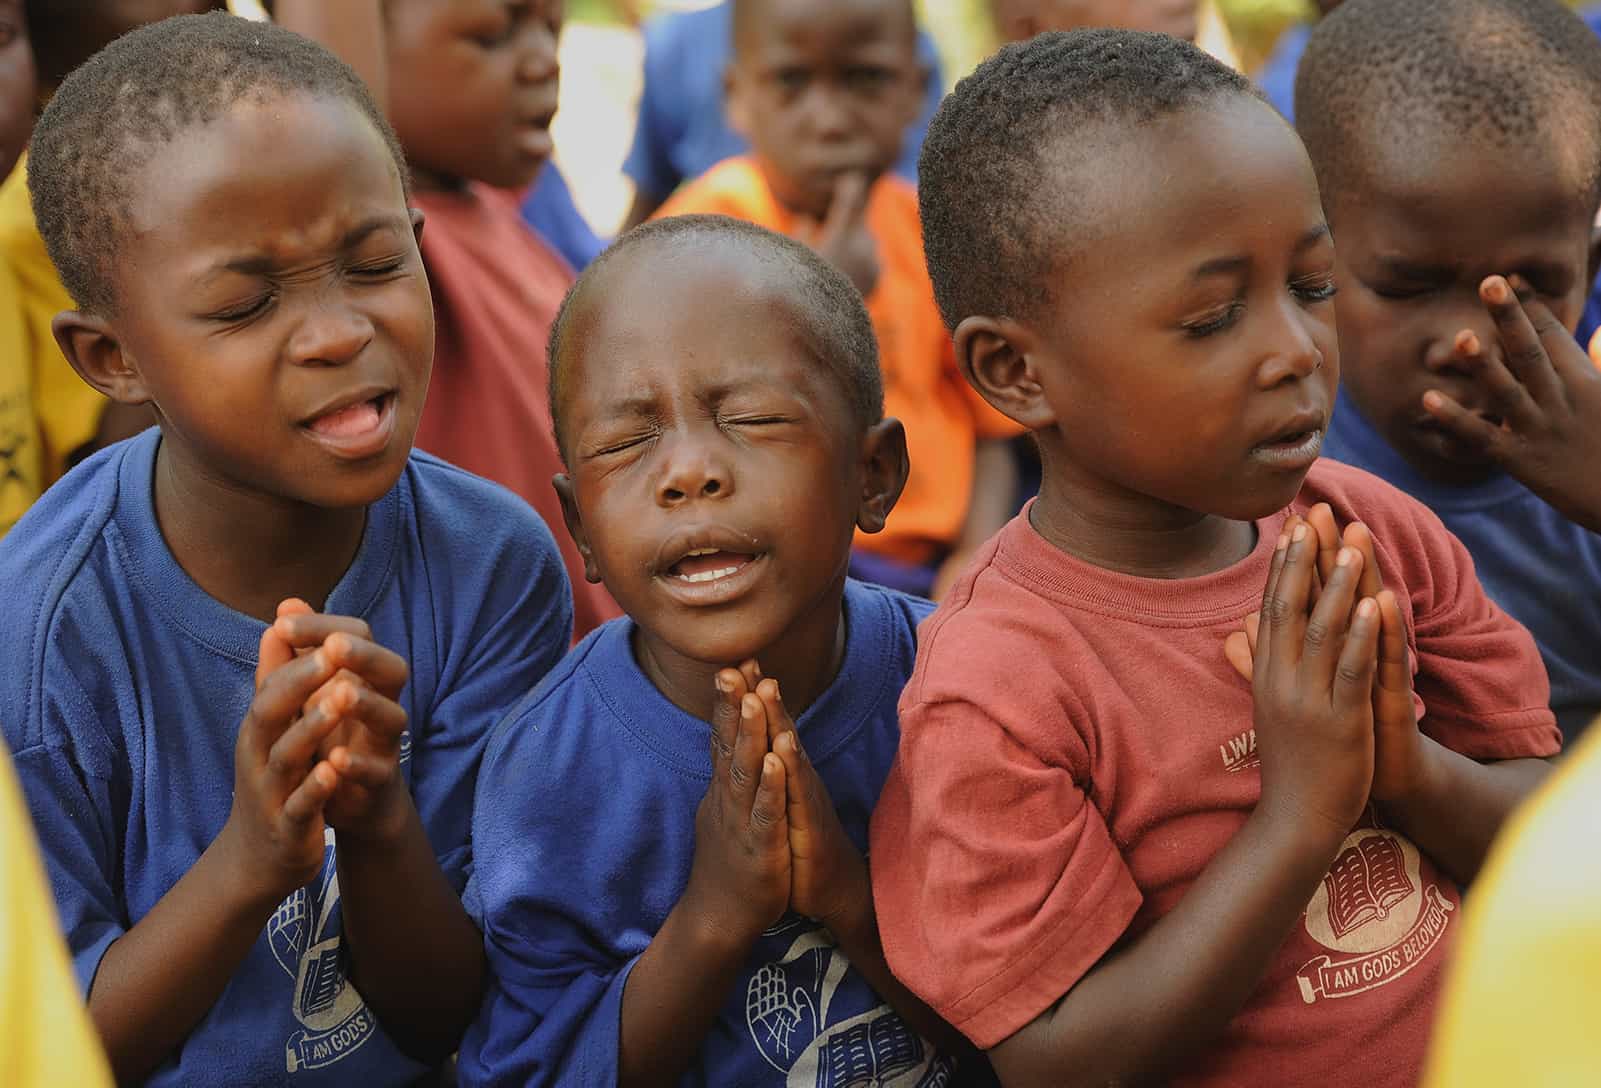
(996, 881)
(521, 628)
(1478, 671)
(73, 811)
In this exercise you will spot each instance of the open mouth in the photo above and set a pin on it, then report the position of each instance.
(704, 565)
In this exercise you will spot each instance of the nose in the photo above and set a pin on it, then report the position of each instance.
(1294, 353)
(332, 333)
(536, 56)
(692, 469)
(830, 111)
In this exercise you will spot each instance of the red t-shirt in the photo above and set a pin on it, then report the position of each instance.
(1075, 749)
(496, 289)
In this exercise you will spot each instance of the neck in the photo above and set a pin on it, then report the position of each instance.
(1121, 531)
(804, 660)
(247, 549)
(424, 180)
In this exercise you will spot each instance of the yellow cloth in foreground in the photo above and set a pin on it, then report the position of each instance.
(45, 1037)
(66, 410)
(1522, 1002)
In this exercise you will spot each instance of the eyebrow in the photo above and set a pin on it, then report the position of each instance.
(260, 264)
(1228, 266)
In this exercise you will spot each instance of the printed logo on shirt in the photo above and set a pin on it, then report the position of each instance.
(787, 1009)
(1240, 752)
(334, 1019)
(1375, 912)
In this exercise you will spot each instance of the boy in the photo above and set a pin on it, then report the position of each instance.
(653, 916)
(824, 92)
(472, 99)
(230, 209)
(1100, 854)
(1410, 112)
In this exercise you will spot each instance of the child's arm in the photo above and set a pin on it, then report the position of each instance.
(829, 879)
(416, 957)
(738, 886)
(161, 977)
(1548, 396)
(1153, 1001)
(1448, 804)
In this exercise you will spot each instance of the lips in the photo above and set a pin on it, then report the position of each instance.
(709, 565)
(354, 425)
(1295, 431)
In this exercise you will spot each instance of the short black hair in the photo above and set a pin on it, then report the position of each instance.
(1014, 142)
(111, 116)
(831, 305)
(1504, 71)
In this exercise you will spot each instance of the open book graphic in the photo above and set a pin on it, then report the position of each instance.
(869, 1053)
(1365, 881)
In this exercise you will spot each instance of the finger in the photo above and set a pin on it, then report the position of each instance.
(1570, 362)
(313, 628)
(350, 699)
(295, 752)
(1326, 627)
(767, 805)
(799, 797)
(293, 606)
(305, 804)
(750, 745)
(1508, 396)
(281, 698)
(380, 666)
(778, 719)
(1526, 354)
(752, 672)
(1466, 427)
(846, 206)
(272, 653)
(369, 771)
(1260, 650)
(1321, 519)
(1394, 669)
(1353, 678)
(1357, 536)
(1285, 610)
(725, 718)
(1237, 649)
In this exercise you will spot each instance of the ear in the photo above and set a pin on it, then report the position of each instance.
(575, 523)
(884, 467)
(734, 107)
(417, 221)
(999, 357)
(91, 346)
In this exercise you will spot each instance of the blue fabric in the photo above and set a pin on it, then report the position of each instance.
(1277, 77)
(1542, 569)
(549, 210)
(123, 691)
(584, 836)
(682, 131)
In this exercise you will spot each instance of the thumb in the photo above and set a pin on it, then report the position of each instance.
(845, 207)
(273, 653)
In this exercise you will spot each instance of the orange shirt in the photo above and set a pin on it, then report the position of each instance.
(943, 416)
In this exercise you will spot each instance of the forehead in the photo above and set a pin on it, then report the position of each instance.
(825, 29)
(1222, 175)
(1465, 198)
(274, 173)
(684, 319)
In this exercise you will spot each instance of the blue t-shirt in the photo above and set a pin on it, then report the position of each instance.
(682, 131)
(584, 835)
(549, 210)
(1541, 568)
(123, 691)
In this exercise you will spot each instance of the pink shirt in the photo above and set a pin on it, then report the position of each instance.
(497, 288)
(1075, 749)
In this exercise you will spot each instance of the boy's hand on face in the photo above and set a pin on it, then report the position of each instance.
(842, 238)
(740, 880)
(1313, 686)
(361, 698)
(828, 875)
(1547, 394)
(281, 785)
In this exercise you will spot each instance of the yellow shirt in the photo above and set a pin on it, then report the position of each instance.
(21, 455)
(1522, 1001)
(66, 410)
(45, 1036)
